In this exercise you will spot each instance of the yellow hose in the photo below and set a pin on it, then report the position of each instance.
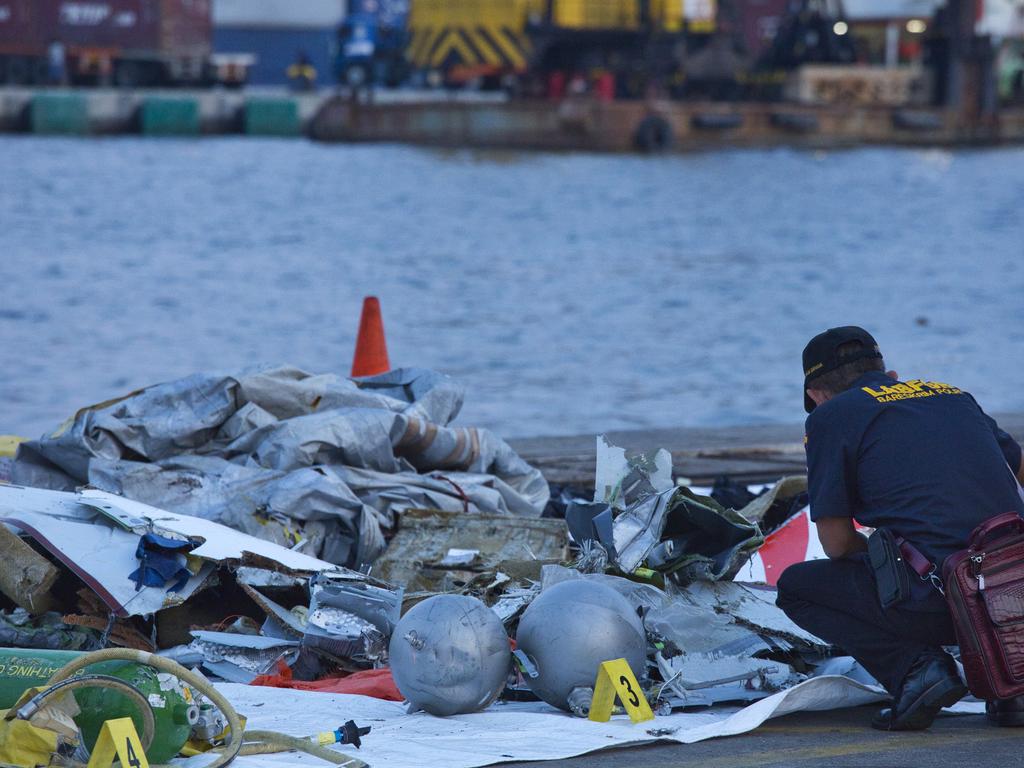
(271, 741)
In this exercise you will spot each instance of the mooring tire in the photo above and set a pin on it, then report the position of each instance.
(653, 135)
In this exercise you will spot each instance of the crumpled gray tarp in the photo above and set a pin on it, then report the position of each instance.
(319, 462)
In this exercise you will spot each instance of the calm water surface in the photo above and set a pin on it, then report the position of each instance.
(570, 293)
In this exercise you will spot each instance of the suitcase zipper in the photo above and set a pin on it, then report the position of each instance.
(976, 561)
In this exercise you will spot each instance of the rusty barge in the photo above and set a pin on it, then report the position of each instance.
(655, 126)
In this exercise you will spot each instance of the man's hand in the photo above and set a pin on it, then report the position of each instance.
(839, 538)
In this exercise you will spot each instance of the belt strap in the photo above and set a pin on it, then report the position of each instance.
(920, 564)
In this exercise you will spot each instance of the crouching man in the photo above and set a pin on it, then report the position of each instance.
(918, 459)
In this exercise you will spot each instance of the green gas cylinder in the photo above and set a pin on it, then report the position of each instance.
(21, 669)
(172, 702)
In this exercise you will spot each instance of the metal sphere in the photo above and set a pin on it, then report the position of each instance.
(450, 655)
(570, 629)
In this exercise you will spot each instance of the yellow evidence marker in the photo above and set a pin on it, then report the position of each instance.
(616, 679)
(118, 738)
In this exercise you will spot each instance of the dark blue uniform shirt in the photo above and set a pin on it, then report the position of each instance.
(919, 458)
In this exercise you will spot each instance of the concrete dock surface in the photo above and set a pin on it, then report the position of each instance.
(837, 739)
(489, 121)
(110, 110)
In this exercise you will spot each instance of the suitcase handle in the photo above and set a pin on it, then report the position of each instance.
(1000, 525)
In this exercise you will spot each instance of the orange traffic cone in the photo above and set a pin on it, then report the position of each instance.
(371, 355)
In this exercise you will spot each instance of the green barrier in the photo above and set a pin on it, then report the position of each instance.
(272, 117)
(169, 117)
(59, 113)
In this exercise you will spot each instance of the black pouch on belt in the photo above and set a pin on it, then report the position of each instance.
(891, 575)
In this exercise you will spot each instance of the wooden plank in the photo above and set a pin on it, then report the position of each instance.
(25, 576)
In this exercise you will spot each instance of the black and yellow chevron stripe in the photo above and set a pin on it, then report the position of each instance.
(495, 46)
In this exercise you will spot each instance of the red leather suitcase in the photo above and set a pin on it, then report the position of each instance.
(985, 592)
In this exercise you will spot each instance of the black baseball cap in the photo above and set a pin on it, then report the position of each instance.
(821, 354)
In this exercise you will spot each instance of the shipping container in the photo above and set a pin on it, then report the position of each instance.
(132, 42)
(274, 50)
(278, 14)
(276, 33)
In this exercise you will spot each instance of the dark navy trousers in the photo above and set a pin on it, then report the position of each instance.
(837, 600)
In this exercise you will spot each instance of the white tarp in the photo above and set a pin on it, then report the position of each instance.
(509, 732)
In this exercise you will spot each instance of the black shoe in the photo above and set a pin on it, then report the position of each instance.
(1008, 713)
(931, 684)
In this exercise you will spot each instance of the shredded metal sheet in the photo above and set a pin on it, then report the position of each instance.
(219, 544)
(752, 606)
(252, 654)
(620, 481)
(373, 607)
(685, 535)
(94, 534)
